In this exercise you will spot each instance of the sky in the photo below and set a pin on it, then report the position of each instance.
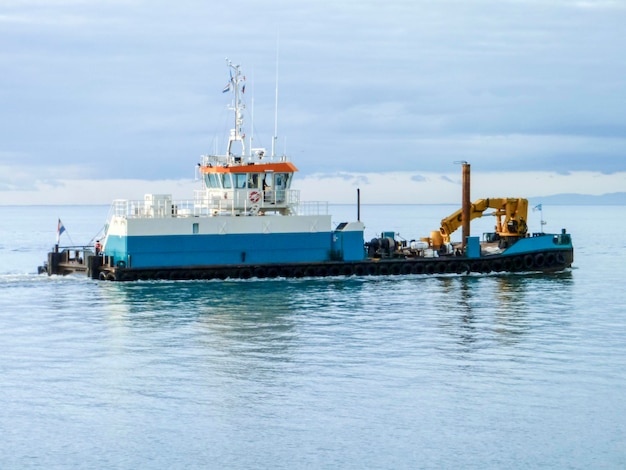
(105, 100)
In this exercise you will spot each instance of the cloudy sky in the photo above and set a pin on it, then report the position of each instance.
(101, 100)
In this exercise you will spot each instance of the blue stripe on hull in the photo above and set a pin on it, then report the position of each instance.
(539, 243)
(194, 250)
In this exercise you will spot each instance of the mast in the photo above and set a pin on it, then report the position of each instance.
(236, 84)
(466, 203)
(275, 103)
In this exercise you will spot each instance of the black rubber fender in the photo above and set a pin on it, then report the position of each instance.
(440, 267)
(528, 261)
(417, 268)
(372, 269)
(359, 270)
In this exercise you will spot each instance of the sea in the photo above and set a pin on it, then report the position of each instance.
(396, 372)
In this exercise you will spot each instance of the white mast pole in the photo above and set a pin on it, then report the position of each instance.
(252, 114)
(276, 100)
(234, 82)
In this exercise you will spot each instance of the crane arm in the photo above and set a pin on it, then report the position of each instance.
(511, 215)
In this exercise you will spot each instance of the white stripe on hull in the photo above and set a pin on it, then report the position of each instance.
(219, 225)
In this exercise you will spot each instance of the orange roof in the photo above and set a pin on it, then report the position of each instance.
(282, 167)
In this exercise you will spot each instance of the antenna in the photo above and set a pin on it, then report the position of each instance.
(251, 125)
(276, 99)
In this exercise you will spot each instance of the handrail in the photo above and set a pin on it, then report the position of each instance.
(205, 204)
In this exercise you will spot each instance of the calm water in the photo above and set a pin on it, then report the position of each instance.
(492, 371)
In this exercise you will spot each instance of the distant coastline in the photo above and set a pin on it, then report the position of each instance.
(610, 199)
(565, 199)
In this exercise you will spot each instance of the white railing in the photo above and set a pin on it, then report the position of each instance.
(313, 208)
(228, 202)
(232, 160)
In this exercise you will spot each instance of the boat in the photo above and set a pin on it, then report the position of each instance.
(246, 222)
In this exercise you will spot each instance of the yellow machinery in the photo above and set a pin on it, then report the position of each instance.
(511, 215)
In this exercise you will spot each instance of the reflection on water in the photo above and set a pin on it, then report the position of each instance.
(243, 328)
(476, 310)
(271, 331)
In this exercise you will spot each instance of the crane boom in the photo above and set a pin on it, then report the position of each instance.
(511, 215)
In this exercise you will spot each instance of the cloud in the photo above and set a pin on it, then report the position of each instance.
(447, 179)
(132, 89)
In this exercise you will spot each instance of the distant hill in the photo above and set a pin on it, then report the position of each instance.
(611, 199)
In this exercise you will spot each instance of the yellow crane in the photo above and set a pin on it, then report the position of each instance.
(511, 215)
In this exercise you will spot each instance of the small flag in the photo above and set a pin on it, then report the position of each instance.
(537, 207)
(226, 88)
(60, 230)
(243, 89)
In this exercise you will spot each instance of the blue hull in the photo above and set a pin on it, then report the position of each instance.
(233, 249)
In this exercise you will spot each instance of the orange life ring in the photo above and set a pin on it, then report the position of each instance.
(255, 197)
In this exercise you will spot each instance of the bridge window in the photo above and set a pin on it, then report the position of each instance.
(226, 181)
(282, 180)
(211, 180)
(240, 180)
(253, 180)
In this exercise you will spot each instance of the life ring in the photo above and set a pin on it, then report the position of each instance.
(255, 197)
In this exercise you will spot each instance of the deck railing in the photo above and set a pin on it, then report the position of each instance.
(207, 204)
